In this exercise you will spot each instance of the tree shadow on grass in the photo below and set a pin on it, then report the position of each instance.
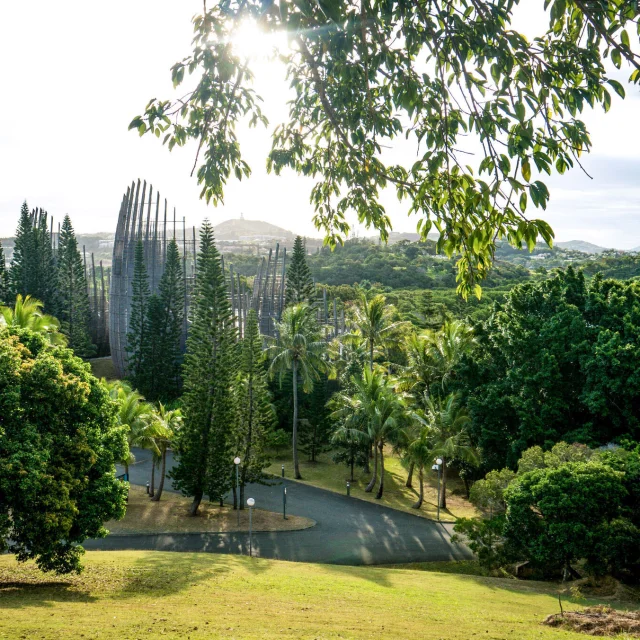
(24, 594)
(169, 573)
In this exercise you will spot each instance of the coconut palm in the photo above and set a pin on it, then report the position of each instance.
(167, 424)
(300, 350)
(27, 313)
(373, 321)
(372, 414)
(135, 415)
(420, 454)
(447, 424)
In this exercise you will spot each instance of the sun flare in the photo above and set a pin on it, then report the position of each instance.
(250, 41)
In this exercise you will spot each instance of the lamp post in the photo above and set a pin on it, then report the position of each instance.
(284, 503)
(236, 461)
(250, 502)
(438, 466)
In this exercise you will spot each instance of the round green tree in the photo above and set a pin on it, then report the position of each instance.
(58, 447)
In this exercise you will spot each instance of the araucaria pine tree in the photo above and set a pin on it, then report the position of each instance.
(204, 445)
(299, 284)
(73, 299)
(5, 296)
(163, 379)
(44, 277)
(256, 416)
(32, 267)
(138, 334)
(22, 267)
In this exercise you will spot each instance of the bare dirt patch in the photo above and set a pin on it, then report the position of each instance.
(598, 621)
(170, 515)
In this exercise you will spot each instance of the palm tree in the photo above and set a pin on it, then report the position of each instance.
(135, 415)
(167, 425)
(298, 349)
(420, 454)
(27, 314)
(432, 357)
(371, 414)
(447, 426)
(373, 320)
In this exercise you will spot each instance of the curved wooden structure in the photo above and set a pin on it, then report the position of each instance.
(144, 216)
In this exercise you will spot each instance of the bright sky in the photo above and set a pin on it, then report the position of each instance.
(76, 72)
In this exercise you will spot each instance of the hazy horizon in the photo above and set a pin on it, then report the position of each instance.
(79, 73)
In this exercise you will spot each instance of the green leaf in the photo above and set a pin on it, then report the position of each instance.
(526, 170)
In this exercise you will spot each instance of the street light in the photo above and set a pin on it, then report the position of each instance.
(250, 502)
(438, 466)
(284, 503)
(236, 461)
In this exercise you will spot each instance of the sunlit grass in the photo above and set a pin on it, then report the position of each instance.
(326, 474)
(129, 595)
(171, 515)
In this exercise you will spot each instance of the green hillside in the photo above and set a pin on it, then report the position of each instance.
(143, 594)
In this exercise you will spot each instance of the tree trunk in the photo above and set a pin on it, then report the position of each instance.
(296, 467)
(381, 486)
(443, 486)
(418, 504)
(467, 486)
(374, 477)
(370, 355)
(409, 482)
(163, 469)
(353, 461)
(242, 502)
(235, 497)
(152, 484)
(197, 499)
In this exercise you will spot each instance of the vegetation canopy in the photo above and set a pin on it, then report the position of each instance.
(483, 110)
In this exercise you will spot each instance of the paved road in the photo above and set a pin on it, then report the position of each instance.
(348, 531)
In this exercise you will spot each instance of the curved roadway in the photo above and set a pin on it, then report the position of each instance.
(348, 530)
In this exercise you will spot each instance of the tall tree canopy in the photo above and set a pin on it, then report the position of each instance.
(58, 447)
(204, 443)
(557, 361)
(162, 377)
(138, 338)
(299, 287)
(73, 299)
(452, 78)
(5, 294)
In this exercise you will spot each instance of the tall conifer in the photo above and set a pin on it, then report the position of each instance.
(166, 318)
(299, 284)
(204, 445)
(138, 334)
(23, 255)
(256, 416)
(5, 296)
(44, 285)
(73, 299)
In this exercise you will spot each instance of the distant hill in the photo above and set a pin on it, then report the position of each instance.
(580, 245)
(250, 230)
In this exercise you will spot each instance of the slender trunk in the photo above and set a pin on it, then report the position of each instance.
(197, 499)
(242, 502)
(367, 466)
(370, 355)
(353, 461)
(418, 504)
(296, 468)
(409, 482)
(374, 477)
(163, 470)
(381, 486)
(467, 486)
(235, 497)
(443, 486)
(152, 484)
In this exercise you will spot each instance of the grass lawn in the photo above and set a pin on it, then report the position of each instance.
(130, 595)
(328, 475)
(103, 368)
(170, 515)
